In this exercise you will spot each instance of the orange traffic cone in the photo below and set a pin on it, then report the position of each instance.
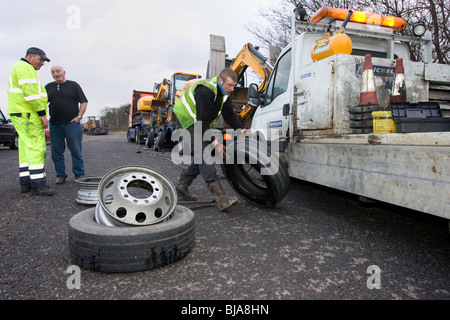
(398, 93)
(368, 94)
(361, 119)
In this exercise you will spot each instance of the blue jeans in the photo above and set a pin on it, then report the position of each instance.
(73, 134)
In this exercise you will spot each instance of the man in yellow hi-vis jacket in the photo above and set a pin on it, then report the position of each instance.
(27, 108)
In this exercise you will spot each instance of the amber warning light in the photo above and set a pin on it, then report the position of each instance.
(327, 14)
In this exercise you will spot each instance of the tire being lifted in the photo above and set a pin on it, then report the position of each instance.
(128, 249)
(265, 190)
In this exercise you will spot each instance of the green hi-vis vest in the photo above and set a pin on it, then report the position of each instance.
(185, 109)
(26, 94)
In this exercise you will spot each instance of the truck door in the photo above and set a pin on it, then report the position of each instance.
(269, 119)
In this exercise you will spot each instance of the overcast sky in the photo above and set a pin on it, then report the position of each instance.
(112, 47)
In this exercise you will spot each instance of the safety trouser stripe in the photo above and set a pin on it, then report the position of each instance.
(37, 172)
(37, 176)
(37, 167)
(23, 170)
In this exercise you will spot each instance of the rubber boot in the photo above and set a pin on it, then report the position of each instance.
(223, 201)
(43, 191)
(182, 188)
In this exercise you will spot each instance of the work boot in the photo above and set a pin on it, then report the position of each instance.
(223, 201)
(182, 188)
(25, 188)
(43, 191)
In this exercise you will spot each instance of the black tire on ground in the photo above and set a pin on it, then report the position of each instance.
(137, 136)
(246, 179)
(128, 249)
(150, 139)
(129, 135)
(159, 141)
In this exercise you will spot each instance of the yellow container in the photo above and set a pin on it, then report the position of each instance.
(383, 122)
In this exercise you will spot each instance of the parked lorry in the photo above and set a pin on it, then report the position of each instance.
(317, 94)
(151, 117)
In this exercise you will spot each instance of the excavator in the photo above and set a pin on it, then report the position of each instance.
(151, 113)
(249, 56)
(95, 127)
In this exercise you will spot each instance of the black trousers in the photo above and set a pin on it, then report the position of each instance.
(207, 171)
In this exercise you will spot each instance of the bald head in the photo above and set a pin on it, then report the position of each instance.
(58, 74)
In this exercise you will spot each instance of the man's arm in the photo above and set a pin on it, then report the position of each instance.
(83, 108)
(230, 116)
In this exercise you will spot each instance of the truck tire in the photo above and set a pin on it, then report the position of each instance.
(129, 135)
(159, 141)
(129, 249)
(263, 190)
(150, 139)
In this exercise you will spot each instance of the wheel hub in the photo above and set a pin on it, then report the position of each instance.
(135, 196)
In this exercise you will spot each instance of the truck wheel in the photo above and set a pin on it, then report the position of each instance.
(129, 135)
(159, 141)
(150, 139)
(128, 249)
(265, 190)
(137, 137)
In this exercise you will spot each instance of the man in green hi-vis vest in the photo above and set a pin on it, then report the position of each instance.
(203, 102)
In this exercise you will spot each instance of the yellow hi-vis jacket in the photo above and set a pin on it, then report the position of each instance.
(185, 108)
(26, 94)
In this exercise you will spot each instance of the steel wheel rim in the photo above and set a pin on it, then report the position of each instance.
(136, 196)
(87, 192)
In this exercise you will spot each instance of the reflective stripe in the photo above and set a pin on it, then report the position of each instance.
(30, 98)
(15, 90)
(23, 165)
(37, 167)
(24, 174)
(37, 176)
(191, 95)
(188, 107)
(26, 81)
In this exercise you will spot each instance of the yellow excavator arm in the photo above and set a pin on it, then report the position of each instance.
(249, 56)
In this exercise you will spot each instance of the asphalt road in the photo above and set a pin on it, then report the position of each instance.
(317, 244)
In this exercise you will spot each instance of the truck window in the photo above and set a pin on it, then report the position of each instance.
(280, 77)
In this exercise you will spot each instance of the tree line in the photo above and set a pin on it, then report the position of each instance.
(117, 118)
